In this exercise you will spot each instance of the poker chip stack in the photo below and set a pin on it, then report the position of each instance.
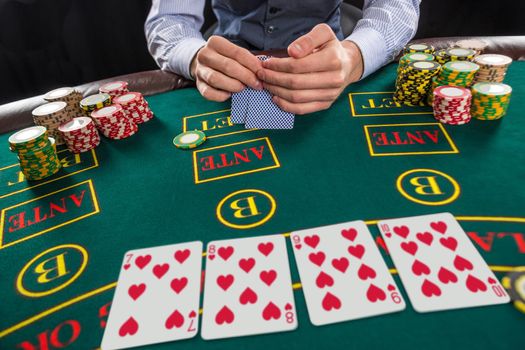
(454, 73)
(135, 107)
(490, 101)
(421, 47)
(414, 82)
(68, 95)
(473, 44)
(514, 283)
(36, 152)
(51, 115)
(452, 105)
(93, 102)
(113, 123)
(114, 88)
(80, 134)
(441, 56)
(413, 57)
(492, 68)
(460, 54)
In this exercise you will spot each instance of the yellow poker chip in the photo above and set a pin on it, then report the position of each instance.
(514, 283)
(189, 139)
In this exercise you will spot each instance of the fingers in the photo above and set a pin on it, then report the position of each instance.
(301, 108)
(321, 61)
(303, 96)
(210, 93)
(303, 46)
(219, 80)
(320, 80)
(237, 53)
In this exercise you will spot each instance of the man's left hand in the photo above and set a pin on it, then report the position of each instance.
(317, 71)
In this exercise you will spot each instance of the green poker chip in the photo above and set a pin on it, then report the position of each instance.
(189, 139)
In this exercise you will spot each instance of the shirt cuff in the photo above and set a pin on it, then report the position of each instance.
(182, 55)
(373, 49)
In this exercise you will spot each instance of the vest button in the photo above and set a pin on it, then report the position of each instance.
(270, 29)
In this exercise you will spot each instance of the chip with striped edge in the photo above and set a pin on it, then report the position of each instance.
(514, 283)
(189, 139)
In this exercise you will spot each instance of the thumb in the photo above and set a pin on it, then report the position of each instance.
(306, 44)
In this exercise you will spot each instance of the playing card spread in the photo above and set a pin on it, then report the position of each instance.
(157, 296)
(248, 288)
(438, 264)
(240, 105)
(343, 275)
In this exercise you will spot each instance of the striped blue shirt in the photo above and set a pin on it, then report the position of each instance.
(173, 27)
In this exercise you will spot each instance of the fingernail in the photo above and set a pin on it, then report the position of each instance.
(298, 47)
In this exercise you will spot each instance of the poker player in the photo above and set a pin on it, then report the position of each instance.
(321, 62)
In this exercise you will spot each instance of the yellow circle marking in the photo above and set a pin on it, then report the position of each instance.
(452, 198)
(255, 224)
(20, 286)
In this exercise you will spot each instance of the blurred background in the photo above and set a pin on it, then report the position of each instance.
(46, 44)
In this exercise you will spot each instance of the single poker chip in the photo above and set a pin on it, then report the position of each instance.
(514, 283)
(96, 101)
(421, 47)
(189, 139)
(461, 54)
(114, 88)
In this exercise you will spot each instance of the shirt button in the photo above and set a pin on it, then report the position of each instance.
(270, 29)
(274, 10)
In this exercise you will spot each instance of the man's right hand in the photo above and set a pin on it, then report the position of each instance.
(220, 68)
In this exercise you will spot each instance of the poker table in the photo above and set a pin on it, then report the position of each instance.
(63, 238)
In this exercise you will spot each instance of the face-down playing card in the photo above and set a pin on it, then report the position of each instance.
(343, 275)
(263, 113)
(438, 264)
(248, 288)
(157, 296)
(240, 102)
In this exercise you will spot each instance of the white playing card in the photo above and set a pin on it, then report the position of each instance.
(247, 288)
(157, 297)
(438, 264)
(263, 113)
(240, 105)
(343, 274)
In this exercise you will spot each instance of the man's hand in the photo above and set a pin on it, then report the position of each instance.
(221, 68)
(317, 71)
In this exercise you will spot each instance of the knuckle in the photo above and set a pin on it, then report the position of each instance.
(323, 27)
(339, 79)
(335, 63)
(213, 78)
(293, 82)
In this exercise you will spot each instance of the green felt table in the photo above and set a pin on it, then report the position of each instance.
(63, 239)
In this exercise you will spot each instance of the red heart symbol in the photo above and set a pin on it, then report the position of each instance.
(462, 264)
(409, 247)
(271, 311)
(419, 268)
(174, 320)
(288, 307)
(182, 255)
(225, 281)
(349, 234)
(391, 288)
(317, 258)
(323, 280)
(491, 280)
(357, 250)
(340, 264)
(142, 261)
(298, 246)
(160, 270)
(211, 256)
(265, 248)
(126, 266)
(136, 290)
(129, 327)
(225, 252)
(439, 226)
(247, 264)
(474, 284)
(429, 289)
(402, 231)
(248, 296)
(446, 276)
(178, 284)
(425, 237)
(388, 234)
(225, 315)
(312, 241)
(268, 276)
(375, 293)
(330, 302)
(192, 314)
(449, 242)
(366, 272)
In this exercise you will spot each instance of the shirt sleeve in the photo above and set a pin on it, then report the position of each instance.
(173, 33)
(386, 27)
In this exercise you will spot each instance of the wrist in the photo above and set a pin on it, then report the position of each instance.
(356, 60)
(193, 64)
